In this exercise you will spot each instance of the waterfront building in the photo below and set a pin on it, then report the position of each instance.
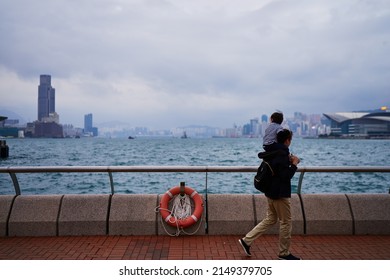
(89, 130)
(246, 129)
(72, 132)
(48, 123)
(7, 131)
(30, 129)
(48, 130)
(53, 117)
(254, 127)
(369, 124)
(9, 128)
(46, 97)
(88, 122)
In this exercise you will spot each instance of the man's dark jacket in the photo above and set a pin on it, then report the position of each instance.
(283, 169)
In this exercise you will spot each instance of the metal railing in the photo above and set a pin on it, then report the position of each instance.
(12, 171)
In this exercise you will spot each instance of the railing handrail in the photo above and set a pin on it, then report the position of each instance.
(180, 168)
(13, 170)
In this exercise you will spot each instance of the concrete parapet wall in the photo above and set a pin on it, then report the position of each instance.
(133, 214)
(224, 214)
(371, 213)
(5, 210)
(327, 214)
(230, 214)
(84, 215)
(34, 215)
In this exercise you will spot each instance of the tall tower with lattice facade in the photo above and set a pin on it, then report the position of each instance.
(46, 98)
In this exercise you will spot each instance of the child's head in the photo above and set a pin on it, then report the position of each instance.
(277, 117)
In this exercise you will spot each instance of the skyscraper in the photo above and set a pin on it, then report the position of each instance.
(46, 97)
(88, 123)
(88, 128)
(48, 124)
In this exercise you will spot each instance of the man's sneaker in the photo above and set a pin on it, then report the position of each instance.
(246, 247)
(290, 257)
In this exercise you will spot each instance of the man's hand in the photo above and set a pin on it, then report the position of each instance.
(294, 160)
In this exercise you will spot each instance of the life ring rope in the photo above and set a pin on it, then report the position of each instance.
(186, 217)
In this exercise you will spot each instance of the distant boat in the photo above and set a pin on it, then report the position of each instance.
(131, 137)
(184, 136)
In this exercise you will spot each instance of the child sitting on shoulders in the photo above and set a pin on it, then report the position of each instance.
(269, 139)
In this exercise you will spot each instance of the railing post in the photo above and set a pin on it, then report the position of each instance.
(206, 206)
(111, 182)
(182, 188)
(300, 182)
(15, 182)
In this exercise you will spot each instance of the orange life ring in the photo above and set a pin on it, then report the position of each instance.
(181, 223)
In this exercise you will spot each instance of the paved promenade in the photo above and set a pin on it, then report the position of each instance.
(209, 247)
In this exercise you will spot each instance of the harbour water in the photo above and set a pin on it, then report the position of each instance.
(188, 152)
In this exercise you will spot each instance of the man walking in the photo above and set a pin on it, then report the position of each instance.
(278, 197)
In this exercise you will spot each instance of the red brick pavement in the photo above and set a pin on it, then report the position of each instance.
(207, 247)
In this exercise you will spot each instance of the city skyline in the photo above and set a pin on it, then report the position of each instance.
(46, 112)
(365, 123)
(168, 64)
(258, 116)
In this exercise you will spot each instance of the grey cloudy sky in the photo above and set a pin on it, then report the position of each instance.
(167, 63)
